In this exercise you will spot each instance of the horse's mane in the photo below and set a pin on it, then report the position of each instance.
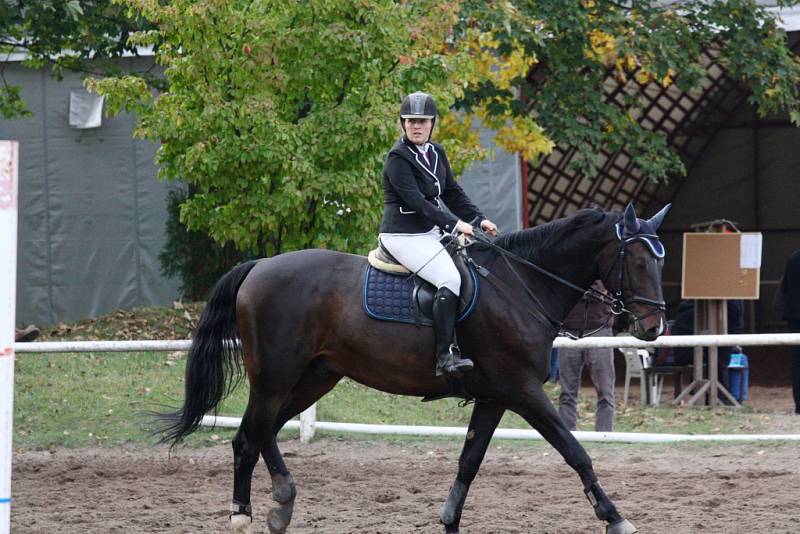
(557, 237)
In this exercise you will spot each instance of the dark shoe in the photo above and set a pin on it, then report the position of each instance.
(448, 357)
(29, 333)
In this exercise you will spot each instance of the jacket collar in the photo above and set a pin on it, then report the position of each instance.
(410, 152)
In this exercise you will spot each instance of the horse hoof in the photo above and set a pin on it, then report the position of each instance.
(451, 510)
(283, 489)
(241, 524)
(623, 526)
(278, 519)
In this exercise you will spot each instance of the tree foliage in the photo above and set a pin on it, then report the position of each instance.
(575, 45)
(279, 113)
(73, 35)
(192, 257)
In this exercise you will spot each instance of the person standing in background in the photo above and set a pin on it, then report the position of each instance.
(588, 315)
(789, 301)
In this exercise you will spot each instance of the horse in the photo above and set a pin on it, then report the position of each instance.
(301, 327)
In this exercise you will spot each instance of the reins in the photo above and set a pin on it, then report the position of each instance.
(616, 303)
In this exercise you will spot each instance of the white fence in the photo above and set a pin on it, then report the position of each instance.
(729, 340)
(9, 157)
(308, 423)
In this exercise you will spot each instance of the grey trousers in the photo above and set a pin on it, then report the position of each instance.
(600, 363)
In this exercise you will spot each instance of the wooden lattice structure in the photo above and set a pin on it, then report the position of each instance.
(689, 120)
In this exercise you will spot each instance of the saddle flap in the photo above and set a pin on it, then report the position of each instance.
(402, 298)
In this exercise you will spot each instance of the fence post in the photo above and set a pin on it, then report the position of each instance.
(9, 151)
(308, 423)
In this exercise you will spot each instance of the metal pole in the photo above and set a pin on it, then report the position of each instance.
(9, 151)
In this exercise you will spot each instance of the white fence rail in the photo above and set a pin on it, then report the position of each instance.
(102, 346)
(508, 433)
(728, 340)
(308, 423)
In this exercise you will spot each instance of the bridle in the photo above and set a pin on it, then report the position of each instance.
(617, 302)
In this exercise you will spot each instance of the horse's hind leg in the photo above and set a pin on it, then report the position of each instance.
(311, 387)
(537, 410)
(485, 417)
(257, 425)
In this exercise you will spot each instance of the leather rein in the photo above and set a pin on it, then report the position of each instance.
(616, 303)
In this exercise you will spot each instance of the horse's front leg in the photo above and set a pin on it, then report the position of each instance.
(485, 418)
(536, 409)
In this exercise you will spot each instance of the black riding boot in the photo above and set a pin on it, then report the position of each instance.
(448, 357)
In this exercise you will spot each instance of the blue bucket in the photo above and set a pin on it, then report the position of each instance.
(739, 376)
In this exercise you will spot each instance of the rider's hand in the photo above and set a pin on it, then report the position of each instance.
(464, 228)
(489, 227)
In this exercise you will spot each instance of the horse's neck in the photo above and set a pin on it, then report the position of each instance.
(580, 270)
(562, 297)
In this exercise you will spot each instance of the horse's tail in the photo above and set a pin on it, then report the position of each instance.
(213, 366)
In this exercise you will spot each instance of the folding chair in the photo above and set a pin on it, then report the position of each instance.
(637, 364)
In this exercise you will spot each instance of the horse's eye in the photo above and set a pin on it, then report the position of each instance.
(640, 264)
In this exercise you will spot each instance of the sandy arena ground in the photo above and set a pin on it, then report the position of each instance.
(371, 486)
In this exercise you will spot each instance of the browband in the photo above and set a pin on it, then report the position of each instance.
(651, 240)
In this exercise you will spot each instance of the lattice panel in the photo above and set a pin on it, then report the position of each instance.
(688, 119)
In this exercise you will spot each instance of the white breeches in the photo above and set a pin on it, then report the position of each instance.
(425, 256)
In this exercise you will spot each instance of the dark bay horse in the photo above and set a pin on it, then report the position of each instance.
(302, 328)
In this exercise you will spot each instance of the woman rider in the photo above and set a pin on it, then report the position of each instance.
(418, 184)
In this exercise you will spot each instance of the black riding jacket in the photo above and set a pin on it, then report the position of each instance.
(414, 193)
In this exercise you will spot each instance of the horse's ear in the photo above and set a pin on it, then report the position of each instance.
(631, 222)
(658, 218)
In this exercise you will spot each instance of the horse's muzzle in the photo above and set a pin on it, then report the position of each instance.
(649, 327)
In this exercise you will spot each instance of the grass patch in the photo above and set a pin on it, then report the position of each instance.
(98, 399)
(90, 399)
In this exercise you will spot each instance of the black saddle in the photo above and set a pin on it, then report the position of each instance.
(390, 295)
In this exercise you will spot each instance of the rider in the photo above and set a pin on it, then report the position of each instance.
(418, 185)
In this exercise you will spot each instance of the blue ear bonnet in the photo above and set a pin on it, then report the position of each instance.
(646, 234)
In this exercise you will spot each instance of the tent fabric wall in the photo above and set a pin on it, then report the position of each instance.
(92, 214)
(494, 185)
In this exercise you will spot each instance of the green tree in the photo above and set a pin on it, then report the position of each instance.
(192, 257)
(279, 113)
(73, 35)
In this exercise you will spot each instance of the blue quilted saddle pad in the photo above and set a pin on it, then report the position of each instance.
(389, 297)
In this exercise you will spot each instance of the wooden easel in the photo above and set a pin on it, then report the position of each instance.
(711, 311)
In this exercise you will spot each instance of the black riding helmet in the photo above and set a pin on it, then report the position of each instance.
(418, 105)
